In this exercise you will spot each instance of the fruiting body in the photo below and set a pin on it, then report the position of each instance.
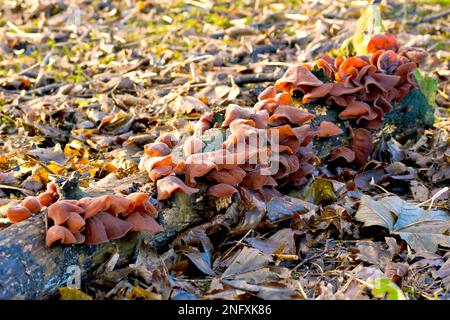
(60, 233)
(32, 204)
(17, 213)
(101, 219)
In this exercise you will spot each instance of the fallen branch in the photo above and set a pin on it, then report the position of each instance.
(430, 18)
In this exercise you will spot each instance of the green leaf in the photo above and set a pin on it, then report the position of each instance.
(319, 191)
(428, 86)
(367, 26)
(384, 286)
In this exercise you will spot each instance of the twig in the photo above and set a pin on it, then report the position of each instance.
(430, 18)
(225, 255)
(21, 33)
(24, 191)
(372, 183)
(30, 68)
(257, 78)
(187, 61)
(310, 258)
(434, 197)
(46, 89)
(42, 165)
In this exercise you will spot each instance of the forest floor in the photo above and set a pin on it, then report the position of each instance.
(85, 84)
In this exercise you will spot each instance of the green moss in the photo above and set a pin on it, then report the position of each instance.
(191, 24)
(219, 20)
(106, 60)
(134, 36)
(440, 2)
(413, 112)
(221, 7)
(177, 55)
(77, 76)
(50, 43)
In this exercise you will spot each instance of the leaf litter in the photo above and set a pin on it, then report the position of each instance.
(85, 96)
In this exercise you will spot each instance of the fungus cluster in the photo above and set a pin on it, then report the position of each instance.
(273, 132)
(101, 219)
(89, 220)
(32, 205)
(364, 87)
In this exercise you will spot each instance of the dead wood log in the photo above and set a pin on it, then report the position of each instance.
(30, 270)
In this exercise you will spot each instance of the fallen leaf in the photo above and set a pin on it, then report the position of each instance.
(248, 259)
(372, 252)
(138, 293)
(444, 274)
(283, 238)
(419, 191)
(187, 104)
(363, 180)
(54, 154)
(422, 229)
(385, 287)
(202, 260)
(395, 270)
(285, 207)
(368, 274)
(320, 191)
